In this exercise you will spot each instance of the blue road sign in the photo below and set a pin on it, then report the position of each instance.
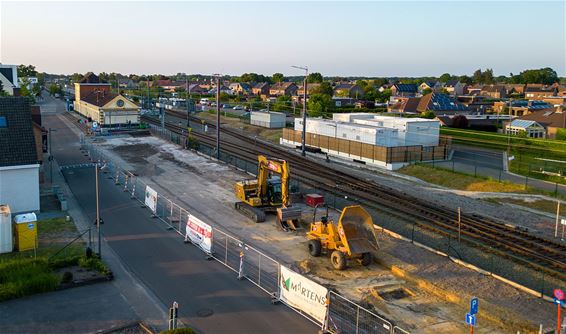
(558, 301)
(470, 319)
(474, 304)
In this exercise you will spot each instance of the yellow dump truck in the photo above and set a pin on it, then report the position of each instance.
(352, 238)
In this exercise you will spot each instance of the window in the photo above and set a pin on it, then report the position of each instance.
(357, 137)
(3, 122)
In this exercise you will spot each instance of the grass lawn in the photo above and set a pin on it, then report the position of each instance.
(528, 153)
(460, 181)
(30, 272)
(540, 205)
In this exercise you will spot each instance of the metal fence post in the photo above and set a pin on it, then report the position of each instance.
(259, 270)
(357, 319)
(225, 249)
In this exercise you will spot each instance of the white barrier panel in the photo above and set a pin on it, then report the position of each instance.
(303, 294)
(151, 199)
(200, 233)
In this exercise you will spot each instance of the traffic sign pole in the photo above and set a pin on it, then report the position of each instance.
(471, 329)
(558, 299)
(558, 319)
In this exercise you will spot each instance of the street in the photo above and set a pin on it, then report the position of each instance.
(210, 297)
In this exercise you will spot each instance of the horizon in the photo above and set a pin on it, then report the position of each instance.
(336, 39)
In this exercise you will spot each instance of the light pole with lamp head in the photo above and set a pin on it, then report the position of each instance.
(303, 136)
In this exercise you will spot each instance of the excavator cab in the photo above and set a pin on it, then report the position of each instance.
(274, 191)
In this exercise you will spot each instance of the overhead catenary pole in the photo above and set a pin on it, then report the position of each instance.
(217, 116)
(557, 218)
(303, 135)
(188, 103)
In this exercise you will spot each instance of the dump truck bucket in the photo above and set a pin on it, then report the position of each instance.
(356, 230)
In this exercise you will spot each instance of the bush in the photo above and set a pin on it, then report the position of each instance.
(67, 277)
(65, 262)
(94, 264)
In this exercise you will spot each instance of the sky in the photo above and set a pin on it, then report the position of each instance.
(379, 38)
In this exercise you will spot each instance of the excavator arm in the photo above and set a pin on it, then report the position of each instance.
(277, 166)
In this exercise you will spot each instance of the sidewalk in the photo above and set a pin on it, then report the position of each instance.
(87, 309)
(144, 304)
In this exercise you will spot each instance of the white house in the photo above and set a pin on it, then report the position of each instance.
(19, 162)
(9, 78)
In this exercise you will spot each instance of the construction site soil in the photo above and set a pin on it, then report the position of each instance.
(417, 289)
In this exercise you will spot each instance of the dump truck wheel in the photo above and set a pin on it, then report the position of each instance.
(338, 260)
(315, 247)
(366, 259)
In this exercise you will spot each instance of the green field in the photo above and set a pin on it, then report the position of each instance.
(538, 158)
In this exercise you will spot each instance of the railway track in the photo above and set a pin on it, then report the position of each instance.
(539, 252)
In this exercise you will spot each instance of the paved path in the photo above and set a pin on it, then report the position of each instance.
(86, 309)
(173, 271)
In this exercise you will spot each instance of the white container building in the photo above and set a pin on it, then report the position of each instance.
(350, 117)
(6, 245)
(272, 120)
(411, 131)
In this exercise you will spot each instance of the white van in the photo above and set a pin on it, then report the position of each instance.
(204, 101)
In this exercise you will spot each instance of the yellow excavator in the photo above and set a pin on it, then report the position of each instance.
(268, 194)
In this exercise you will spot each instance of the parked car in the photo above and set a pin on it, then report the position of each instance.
(238, 108)
(204, 101)
(226, 106)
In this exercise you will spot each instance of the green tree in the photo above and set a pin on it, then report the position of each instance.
(2, 92)
(324, 88)
(428, 114)
(278, 77)
(314, 77)
(319, 104)
(477, 77)
(426, 91)
(543, 76)
(445, 77)
(26, 71)
(466, 79)
(76, 77)
(487, 76)
(54, 89)
(41, 78)
(383, 96)
(282, 103)
(378, 82)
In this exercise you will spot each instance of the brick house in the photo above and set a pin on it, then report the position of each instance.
(283, 88)
(261, 88)
(348, 90)
(494, 91)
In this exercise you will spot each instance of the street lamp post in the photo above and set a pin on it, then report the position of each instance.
(303, 136)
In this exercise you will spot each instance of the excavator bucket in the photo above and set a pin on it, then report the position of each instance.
(288, 218)
(356, 230)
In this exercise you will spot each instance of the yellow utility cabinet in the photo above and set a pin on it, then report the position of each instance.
(25, 231)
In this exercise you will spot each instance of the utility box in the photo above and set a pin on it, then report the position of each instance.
(25, 231)
(313, 200)
(6, 235)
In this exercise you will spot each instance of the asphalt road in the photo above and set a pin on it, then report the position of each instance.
(174, 271)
